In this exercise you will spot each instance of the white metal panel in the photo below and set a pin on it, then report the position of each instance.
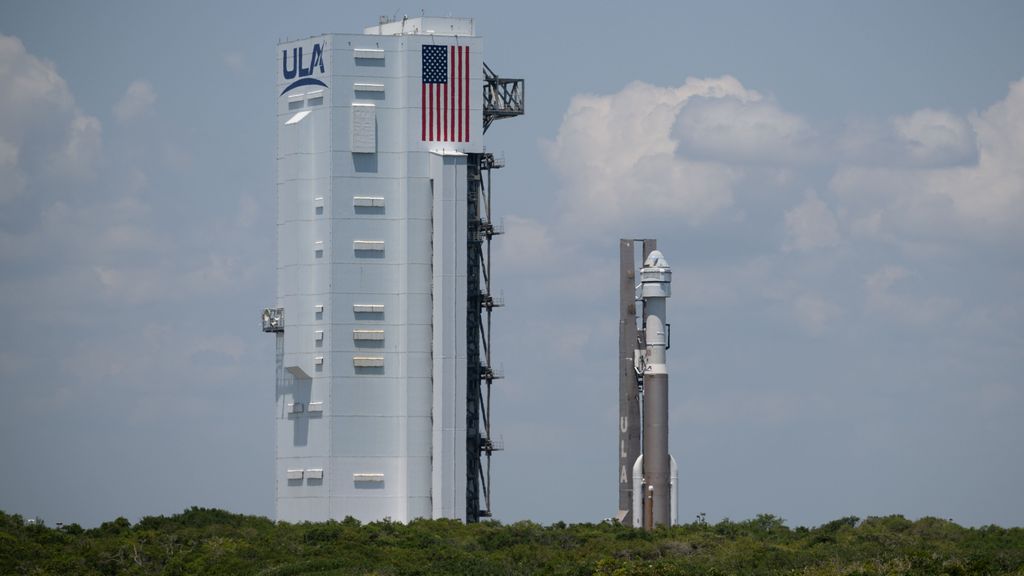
(387, 232)
(430, 25)
(364, 334)
(294, 198)
(314, 473)
(368, 53)
(381, 396)
(367, 361)
(368, 245)
(316, 407)
(302, 436)
(311, 170)
(380, 166)
(448, 339)
(368, 201)
(420, 391)
(368, 277)
(419, 338)
(368, 308)
(418, 241)
(364, 128)
(418, 441)
(315, 97)
(367, 437)
(295, 473)
(297, 117)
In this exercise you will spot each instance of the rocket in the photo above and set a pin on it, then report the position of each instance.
(652, 494)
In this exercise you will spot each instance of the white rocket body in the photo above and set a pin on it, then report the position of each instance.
(655, 471)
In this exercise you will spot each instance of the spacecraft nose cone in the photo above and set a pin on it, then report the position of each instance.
(655, 260)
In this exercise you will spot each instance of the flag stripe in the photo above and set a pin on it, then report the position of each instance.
(460, 94)
(451, 103)
(465, 78)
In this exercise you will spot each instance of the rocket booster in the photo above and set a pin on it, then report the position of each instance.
(648, 496)
(655, 288)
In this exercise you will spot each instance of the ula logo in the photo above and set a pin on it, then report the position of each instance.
(298, 67)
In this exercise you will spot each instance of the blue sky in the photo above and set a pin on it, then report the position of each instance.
(838, 186)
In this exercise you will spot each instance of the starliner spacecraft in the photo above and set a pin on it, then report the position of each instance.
(648, 475)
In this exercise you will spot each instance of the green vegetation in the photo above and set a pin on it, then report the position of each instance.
(205, 541)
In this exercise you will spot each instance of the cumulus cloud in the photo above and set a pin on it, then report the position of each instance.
(31, 88)
(13, 180)
(935, 137)
(137, 100)
(81, 152)
(925, 138)
(617, 157)
(43, 134)
(743, 130)
(810, 225)
(985, 197)
(89, 231)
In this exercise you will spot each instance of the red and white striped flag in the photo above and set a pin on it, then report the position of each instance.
(445, 94)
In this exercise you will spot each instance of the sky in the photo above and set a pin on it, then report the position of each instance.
(838, 187)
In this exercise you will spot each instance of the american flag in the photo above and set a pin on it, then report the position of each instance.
(445, 94)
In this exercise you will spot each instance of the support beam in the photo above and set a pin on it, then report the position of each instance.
(503, 97)
(629, 396)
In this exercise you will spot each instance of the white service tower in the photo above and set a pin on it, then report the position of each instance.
(380, 147)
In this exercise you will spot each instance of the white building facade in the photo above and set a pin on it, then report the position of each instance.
(373, 135)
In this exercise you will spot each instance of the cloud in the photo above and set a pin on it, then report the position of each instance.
(89, 235)
(743, 131)
(31, 87)
(616, 157)
(983, 198)
(81, 153)
(43, 134)
(138, 100)
(659, 156)
(926, 138)
(810, 225)
(10, 174)
(935, 137)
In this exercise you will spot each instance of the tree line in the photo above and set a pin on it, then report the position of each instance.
(211, 542)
